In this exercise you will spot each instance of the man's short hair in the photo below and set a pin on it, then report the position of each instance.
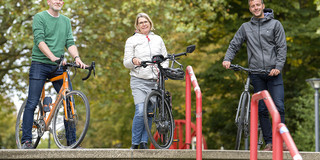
(252, 0)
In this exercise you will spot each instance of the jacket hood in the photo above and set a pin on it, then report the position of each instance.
(268, 14)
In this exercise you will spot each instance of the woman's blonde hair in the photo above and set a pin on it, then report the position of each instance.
(144, 15)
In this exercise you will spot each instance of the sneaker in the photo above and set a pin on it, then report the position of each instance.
(285, 148)
(143, 146)
(134, 146)
(268, 147)
(27, 145)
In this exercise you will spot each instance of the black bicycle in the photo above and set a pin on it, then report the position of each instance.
(157, 114)
(242, 119)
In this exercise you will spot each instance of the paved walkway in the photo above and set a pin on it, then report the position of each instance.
(128, 154)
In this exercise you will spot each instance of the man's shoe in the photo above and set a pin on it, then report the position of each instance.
(268, 147)
(285, 148)
(134, 146)
(27, 145)
(144, 146)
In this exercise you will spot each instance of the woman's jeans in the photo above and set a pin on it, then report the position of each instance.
(274, 85)
(139, 132)
(38, 74)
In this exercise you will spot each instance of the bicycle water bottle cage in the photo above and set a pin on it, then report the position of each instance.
(46, 103)
(174, 73)
(157, 59)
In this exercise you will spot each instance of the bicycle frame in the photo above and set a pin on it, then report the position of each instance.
(62, 94)
(161, 88)
(246, 119)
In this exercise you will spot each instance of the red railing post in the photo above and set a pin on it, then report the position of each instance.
(191, 77)
(277, 142)
(254, 127)
(188, 111)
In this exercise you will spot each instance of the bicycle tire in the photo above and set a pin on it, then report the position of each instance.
(18, 129)
(260, 137)
(165, 127)
(79, 123)
(243, 102)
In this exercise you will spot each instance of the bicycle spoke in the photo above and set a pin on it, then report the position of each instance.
(160, 131)
(69, 132)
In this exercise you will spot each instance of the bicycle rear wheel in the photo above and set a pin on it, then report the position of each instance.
(160, 129)
(36, 133)
(70, 133)
(240, 124)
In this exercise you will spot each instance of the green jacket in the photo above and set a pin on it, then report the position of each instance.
(56, 32)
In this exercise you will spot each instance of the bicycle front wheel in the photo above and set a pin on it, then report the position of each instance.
(69, 132)
(158, 121)
(36, 129)
(243, 106)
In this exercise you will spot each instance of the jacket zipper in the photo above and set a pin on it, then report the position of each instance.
(264, 67)
(151, 67)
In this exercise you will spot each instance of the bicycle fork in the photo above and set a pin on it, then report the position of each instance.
(68, 104)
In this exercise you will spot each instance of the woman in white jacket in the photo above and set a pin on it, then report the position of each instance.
(141, 47)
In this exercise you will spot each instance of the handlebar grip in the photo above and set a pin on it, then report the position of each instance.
(235, 67)
(144, 64)
(180, 54)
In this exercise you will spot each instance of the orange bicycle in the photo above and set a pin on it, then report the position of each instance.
(69, 111)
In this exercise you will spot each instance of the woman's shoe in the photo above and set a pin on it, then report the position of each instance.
(134, 146)
(143, 146)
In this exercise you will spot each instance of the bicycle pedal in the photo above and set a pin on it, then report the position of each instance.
(176, 140)
(150, 114)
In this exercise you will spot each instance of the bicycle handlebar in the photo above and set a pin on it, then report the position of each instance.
(237, 67)
(90, 68)
(157, 59)
(161, 59)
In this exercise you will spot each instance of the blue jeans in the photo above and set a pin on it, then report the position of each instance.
(274, 85)
(139, 132)
(38, 74)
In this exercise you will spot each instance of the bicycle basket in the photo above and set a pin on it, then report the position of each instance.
(174, 73)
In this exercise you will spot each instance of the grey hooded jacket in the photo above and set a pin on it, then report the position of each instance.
(266, 42)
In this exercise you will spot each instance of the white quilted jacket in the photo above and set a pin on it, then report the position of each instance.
(143, 47)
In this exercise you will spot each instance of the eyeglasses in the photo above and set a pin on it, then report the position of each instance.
(143, 22)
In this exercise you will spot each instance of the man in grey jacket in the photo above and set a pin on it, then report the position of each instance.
(267, 49)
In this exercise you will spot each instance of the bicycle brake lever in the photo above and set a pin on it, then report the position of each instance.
(94, 68)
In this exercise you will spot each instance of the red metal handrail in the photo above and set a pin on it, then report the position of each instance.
(277, 140)
(191, 78)
(284, 132)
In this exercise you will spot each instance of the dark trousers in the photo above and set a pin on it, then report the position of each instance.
(274, 85)
(38, 74)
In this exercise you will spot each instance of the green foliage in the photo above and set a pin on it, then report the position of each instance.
(7, 123)
(101, 29)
